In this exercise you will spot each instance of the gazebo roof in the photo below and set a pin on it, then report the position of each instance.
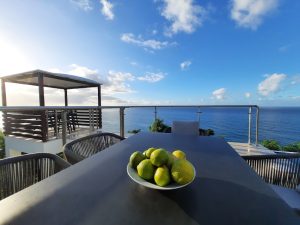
(53, 80)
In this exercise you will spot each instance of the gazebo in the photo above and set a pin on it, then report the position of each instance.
(39, 128)
(43, 79)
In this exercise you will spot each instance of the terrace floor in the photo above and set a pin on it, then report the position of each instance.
(250, 149)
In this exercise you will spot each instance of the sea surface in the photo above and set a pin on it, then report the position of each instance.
(278, 123)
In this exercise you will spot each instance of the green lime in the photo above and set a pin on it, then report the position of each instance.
(182, 171)
(170, 160)
(162, 176)
(159, 157)
(145, 169)
(148, 152)
(135, 159)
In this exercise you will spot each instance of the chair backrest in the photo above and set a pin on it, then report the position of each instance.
(185, 127)
(85, 147)
(17, 173)
(278, 169)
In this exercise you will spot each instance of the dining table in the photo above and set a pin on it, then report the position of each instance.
(98, 190)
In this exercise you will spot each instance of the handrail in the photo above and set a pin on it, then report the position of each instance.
(4, 108)
(64, 109)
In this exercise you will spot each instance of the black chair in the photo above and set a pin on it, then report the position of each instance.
(85, 147)
(282, 172)
(17, 173)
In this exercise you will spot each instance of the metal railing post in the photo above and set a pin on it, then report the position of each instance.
(155, 113)
(64, 126)
(56, 123)
(93, 121)
(122, 122)
(44, 124)
(199, 112)
(257, 124)
(249, 128)
(90, 119)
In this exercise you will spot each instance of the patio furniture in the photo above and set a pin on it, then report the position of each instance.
(99, 191)
(85, 147)
(282, 172)
(72, 121)
(185, 127)
(17, 173)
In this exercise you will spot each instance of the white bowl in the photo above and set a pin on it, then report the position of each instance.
(136, 178)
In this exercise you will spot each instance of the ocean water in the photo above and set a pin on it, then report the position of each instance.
(278, 123)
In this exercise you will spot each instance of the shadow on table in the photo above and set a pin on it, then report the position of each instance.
(211, 201)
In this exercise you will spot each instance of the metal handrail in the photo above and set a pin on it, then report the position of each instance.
(64, 109)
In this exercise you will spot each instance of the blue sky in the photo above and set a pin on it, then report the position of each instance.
(157, 51)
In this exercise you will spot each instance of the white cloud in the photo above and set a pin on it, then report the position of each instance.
(284, 48)
(114, 82)
(219, 93)
(250, 13)
(83, 4)
(271, 84)
(152, 77)
(295, 80)
(147, 44)
(117, 82)
(133, 63)
(184, 15)
(247, 94)
(106, 10)
(184, 65)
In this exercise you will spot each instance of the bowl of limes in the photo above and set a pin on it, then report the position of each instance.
(158, 168)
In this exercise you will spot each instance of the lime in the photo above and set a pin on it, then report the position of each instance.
(162, 176)
(135, 159)
(159, 157)
(170, 160)
(148, 152)
(182, 171)
(145, 169)
(179, 154)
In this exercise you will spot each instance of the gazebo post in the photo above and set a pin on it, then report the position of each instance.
(99, 104)
(4, 103)
(66, 97)
(44, 114)
(41, 89)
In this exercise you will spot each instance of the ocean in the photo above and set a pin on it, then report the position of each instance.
(278, 123)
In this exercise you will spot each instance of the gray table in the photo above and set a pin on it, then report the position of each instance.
(98, 191)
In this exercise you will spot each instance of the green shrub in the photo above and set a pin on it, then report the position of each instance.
(135, 131)
(295, 147)
(271, 144)
(2, 145)
(159, 126)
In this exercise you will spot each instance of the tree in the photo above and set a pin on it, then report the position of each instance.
(295, 147)
(271, 144)
(159, 126)
(2, 145)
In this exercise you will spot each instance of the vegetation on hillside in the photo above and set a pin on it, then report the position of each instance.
(275, 145)
(2, 145)
(158, 125)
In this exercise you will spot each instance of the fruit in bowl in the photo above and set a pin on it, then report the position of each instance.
(162, 168)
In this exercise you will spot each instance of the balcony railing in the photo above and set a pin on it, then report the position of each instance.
(46, 123)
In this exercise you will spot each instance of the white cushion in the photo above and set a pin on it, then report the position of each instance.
(186, 127)
(290, 196)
